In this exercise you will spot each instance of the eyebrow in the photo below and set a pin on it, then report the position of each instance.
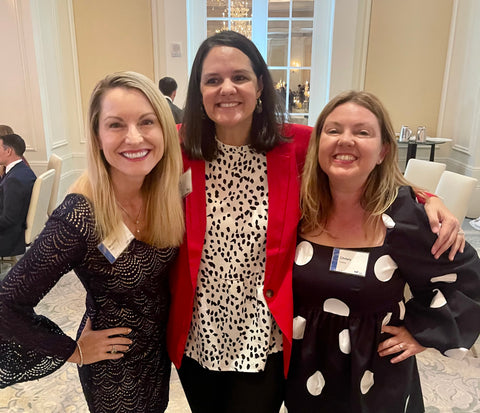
(360, 124)
(120, 118)
(235, 72)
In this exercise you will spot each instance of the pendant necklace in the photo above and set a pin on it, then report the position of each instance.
(136, 221)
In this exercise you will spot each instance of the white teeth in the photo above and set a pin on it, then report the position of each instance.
(345, 157)
(228, 105)
(135, 155)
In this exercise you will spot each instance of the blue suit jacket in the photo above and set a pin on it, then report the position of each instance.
(15, 192)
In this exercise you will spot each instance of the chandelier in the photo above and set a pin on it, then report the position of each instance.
(233, 10)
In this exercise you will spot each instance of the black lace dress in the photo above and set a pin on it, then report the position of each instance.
(132, 292)
(338, 317)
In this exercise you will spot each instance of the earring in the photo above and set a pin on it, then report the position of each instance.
(259, 108)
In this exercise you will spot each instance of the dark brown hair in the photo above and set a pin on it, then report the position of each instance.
(198, 131)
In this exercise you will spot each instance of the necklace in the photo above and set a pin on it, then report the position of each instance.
(136, 221)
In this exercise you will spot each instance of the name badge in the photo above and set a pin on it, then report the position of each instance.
(186, 183)
(349, 262)
(111, 247)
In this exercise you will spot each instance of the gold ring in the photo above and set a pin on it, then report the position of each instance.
(114, 350)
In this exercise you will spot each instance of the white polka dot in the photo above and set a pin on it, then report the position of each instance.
(406, 404)
(388, 221)
(401, 307)
(298, 327)
(438, 299)
(344, 341)
(334, 306)
(303, 253)
(386, 319)
(367, 381)
(315, 383)
(447, 278)
(456, 353)
(384, 268)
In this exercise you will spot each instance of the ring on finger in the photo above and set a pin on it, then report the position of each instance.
(114, 350)
(401, 346)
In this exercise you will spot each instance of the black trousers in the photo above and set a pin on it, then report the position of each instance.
(233, 392)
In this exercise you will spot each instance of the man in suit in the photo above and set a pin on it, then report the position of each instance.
(15, 192)
(168, 86)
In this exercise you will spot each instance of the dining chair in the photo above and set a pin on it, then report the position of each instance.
(54, 162)
(38, 207)
(456, 190)
(424, 174)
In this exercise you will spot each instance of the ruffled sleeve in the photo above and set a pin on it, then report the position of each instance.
(31, 345)
(444, 312)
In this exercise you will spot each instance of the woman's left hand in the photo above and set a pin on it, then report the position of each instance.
(446, 226)
(402, 342)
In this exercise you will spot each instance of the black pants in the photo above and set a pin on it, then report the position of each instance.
(233, 392)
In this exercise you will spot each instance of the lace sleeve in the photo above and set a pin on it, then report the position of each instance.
(31, 345)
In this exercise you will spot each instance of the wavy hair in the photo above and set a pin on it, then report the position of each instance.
(160, 189)
(381, 187)
(198, 131)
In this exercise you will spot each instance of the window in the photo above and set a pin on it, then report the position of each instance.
(229, 15)
(289, 53)
(294, 37)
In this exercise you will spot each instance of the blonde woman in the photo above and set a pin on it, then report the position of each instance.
(363, 236)
(118, 229)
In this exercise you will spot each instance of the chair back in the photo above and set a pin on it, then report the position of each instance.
(37, 210)
(456, 190)
(424, 174)
(54, 162)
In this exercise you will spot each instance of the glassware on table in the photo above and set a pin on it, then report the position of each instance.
(405, 134)
(421, 134)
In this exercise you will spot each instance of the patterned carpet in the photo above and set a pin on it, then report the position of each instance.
(448, 385)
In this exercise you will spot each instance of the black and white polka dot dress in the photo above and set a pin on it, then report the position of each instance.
(232, 328)
(338, 317)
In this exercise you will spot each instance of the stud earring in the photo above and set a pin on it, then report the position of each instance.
(259, 108)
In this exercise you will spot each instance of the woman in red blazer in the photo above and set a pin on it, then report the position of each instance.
(230, 326)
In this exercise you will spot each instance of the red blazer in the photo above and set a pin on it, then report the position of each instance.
(284, 165)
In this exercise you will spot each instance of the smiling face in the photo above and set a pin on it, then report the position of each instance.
(350, 145)
(229, 89)
(130, 135)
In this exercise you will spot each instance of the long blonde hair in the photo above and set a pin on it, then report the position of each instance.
(381, 187)
(160, 189)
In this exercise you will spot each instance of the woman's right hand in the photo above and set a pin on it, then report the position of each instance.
(97, 345)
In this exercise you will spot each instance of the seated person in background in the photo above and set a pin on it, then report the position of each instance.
(15, 192)
(168, 86)
(7, 130)
(4, 130)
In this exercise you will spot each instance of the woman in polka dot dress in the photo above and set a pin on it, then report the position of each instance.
(230, 326)
(362, 237)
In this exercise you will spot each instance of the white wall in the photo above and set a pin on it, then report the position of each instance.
(170, 33)
(460, 109)
(20, 105)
